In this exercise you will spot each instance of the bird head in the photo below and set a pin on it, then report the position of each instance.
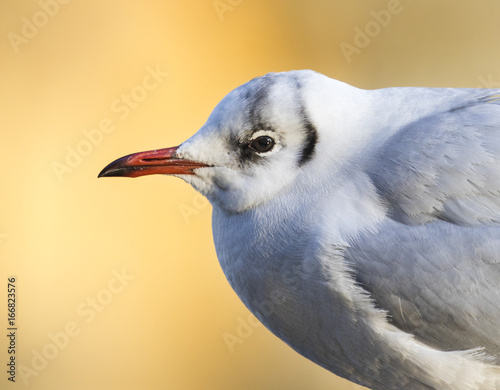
(253, 145)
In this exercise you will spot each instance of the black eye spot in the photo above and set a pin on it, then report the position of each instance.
(262, 144)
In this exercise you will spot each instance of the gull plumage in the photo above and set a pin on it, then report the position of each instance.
(360, 226)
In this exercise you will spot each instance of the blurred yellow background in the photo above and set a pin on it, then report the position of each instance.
(118, 285)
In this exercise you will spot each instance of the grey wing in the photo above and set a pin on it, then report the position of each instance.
(444, 166)
(437, 281)
(434, 265)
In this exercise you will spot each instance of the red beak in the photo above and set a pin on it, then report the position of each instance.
(149, 163)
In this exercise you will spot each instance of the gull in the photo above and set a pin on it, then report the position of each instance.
(361, 227)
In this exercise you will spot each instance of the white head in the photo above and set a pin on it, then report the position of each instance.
(253, 145)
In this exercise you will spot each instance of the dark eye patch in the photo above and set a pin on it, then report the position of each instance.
(252, 148)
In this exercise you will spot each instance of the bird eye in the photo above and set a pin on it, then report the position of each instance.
(262, 144)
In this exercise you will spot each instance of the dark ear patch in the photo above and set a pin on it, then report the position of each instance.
(311, 133)
(309, 143)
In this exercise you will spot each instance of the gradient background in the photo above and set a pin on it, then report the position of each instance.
(63, 237)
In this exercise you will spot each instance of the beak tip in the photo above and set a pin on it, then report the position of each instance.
(107, 172)
(117, 168)
(115, 173)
